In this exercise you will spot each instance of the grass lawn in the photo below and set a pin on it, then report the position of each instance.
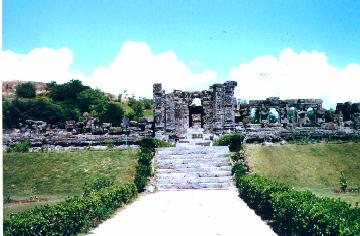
(314, 167)
(52, 176)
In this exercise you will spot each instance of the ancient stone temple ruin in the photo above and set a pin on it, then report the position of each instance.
(218, 112)
(282, 108)
(175, 112)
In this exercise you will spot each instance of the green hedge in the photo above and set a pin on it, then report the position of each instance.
(72, 216)
(298, 212)
(143, 169)
(231, 140)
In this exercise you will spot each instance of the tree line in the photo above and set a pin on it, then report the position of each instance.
(68, 101)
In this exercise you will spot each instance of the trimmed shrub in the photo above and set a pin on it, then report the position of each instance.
(143, 169)
(148, 143)
(235, 156)
(102, 182)
(297, 212)
(239, 169)
(72, 216)
(231, 140)
(303, 213)
(256, 191)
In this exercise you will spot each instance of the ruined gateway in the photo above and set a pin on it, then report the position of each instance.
(219, 113)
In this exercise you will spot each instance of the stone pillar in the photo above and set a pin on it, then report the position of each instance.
(320, 115)
(229, 105)
(181, 113)
(208, 110)
(170, 114)
(302, 117)
(264, 115)
(159, 109)
(283, 116)
(218, 111)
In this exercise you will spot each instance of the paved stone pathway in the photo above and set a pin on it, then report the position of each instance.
(186, 212)
(204, 201)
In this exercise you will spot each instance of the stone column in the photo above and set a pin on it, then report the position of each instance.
(159, 108)
(218, 111)
(320, 115)
(229, 105)
(170, 114)
(208, 110)
(264, 115)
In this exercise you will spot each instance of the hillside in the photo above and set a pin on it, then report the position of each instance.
(9, 88)
(315, 167)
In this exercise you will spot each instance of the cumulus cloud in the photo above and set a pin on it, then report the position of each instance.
(297, 75)
(135, 69)
(40, 64)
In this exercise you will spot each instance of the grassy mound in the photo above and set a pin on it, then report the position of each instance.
(37, 178)
(314, 167)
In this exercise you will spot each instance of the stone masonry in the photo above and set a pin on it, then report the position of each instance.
(174, 113)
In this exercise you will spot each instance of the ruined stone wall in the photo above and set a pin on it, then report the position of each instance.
(283, 107)
(218, 105)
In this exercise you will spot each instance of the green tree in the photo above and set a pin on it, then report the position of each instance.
(25, 90)
(329, 115)
(273, 118)
(147, 103)
(137, 112)
(132, 101)
(355, 108)
(66, 92)
(20, 110)
(292, 115)
(112, 113)
(255, 116)
(90, 97)
(311, 115)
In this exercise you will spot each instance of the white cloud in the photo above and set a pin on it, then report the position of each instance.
(40, 64)
(135, 69)
(297, 75)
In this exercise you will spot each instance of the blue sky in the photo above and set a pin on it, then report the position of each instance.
(219, 34)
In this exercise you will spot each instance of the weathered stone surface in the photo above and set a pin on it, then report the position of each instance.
(173, 113)
(193, 167)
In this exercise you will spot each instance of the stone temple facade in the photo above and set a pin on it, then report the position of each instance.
(219, 113)
(282, 107)
(175, 112)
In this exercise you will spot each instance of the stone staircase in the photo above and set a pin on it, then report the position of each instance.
(193, 167)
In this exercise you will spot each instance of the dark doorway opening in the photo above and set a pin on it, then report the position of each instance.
(196, 110)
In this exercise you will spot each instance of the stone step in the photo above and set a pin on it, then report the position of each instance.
(193, 174)
(192, 156)
(192, 160)
(193, 186)
(185, 169)
(192, 165)
(192, 150)
(181, 180)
